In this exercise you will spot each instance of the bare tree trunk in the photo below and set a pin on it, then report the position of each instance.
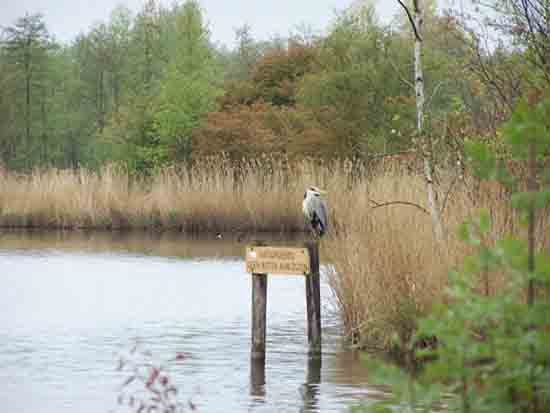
(44, 121)
(531, 292)
(426, 142)
(532, 188)
(27, 94)
(417, 22)
(101, 102)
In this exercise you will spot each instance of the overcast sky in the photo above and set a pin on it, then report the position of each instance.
(267, 18)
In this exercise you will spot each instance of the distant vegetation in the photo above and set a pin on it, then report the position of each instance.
(150, 89)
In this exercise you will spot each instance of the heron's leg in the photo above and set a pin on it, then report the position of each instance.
(315, 232)
(311, 229)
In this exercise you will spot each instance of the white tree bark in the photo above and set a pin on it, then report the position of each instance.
(417, 23)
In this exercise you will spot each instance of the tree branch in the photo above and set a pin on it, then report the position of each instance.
(379, 205)
(399, 75)
(447, 195)
(411, 20)
(386, 155)
(434, 93)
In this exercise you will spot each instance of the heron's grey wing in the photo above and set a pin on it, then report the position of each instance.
(319, 206)
(306, 208)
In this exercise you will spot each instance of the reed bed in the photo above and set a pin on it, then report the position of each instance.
(384, 266)
(213, 196)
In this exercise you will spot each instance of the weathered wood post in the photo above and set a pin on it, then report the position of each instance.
(257, 377)
(313, 300)
(262, 260)
(259, 315)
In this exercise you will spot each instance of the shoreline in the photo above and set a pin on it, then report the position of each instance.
(386, 267)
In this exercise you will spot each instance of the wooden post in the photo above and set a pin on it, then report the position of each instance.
(257, 377)
(314, 370)
(313, 301)
(259, 306)
(304, 261)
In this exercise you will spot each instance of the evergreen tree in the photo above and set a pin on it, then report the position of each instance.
(26, 49)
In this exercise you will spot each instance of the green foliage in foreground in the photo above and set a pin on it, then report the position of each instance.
(492, 352)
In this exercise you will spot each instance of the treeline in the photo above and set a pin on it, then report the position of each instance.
(151, 89)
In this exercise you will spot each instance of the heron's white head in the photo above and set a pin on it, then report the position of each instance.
(313, 190)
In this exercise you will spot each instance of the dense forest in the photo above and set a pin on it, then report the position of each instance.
(151, 89)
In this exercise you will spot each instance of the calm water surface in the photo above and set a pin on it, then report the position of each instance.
(71, 303)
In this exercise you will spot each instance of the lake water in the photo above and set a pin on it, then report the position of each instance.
(71, 303)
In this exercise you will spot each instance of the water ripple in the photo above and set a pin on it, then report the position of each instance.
(69, 314)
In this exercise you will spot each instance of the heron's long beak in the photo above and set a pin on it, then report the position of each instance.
(322, 192)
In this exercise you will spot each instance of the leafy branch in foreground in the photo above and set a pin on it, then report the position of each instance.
(491, 352)
(148, 386)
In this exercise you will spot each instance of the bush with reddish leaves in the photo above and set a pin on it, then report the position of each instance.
(252, 130)
(278, 71)
(148, 387)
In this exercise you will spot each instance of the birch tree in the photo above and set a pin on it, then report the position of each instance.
(415, 15)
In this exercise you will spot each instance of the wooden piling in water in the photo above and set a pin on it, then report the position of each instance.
(257, 377)
(313, 300)
(259, 315)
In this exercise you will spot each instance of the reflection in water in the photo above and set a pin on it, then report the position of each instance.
(163, 244)
(71, 302)
(310, 389)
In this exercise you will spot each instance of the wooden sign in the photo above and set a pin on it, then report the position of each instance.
(277, 260)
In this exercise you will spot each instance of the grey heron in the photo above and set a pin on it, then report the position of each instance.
(315, 210)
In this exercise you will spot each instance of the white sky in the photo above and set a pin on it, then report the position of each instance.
(267, 18)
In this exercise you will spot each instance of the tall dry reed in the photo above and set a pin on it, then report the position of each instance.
(385, 267)
(214, 195)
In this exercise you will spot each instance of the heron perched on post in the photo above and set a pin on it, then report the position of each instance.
(315, 210)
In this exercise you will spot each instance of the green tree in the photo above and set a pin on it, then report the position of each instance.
(189, 87)
(146, 49)
(118, 42)
(354, 88)
(128, 135)
(8, 130)
(246, 55)
(277, 73)
(26, 45)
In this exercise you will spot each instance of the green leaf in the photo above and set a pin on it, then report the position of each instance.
(481, 158)
(484, 221)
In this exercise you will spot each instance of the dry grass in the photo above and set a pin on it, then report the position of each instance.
(385, 262)
(386, 267)
(211, 197)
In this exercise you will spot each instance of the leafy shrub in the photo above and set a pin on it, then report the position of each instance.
(490, 353)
